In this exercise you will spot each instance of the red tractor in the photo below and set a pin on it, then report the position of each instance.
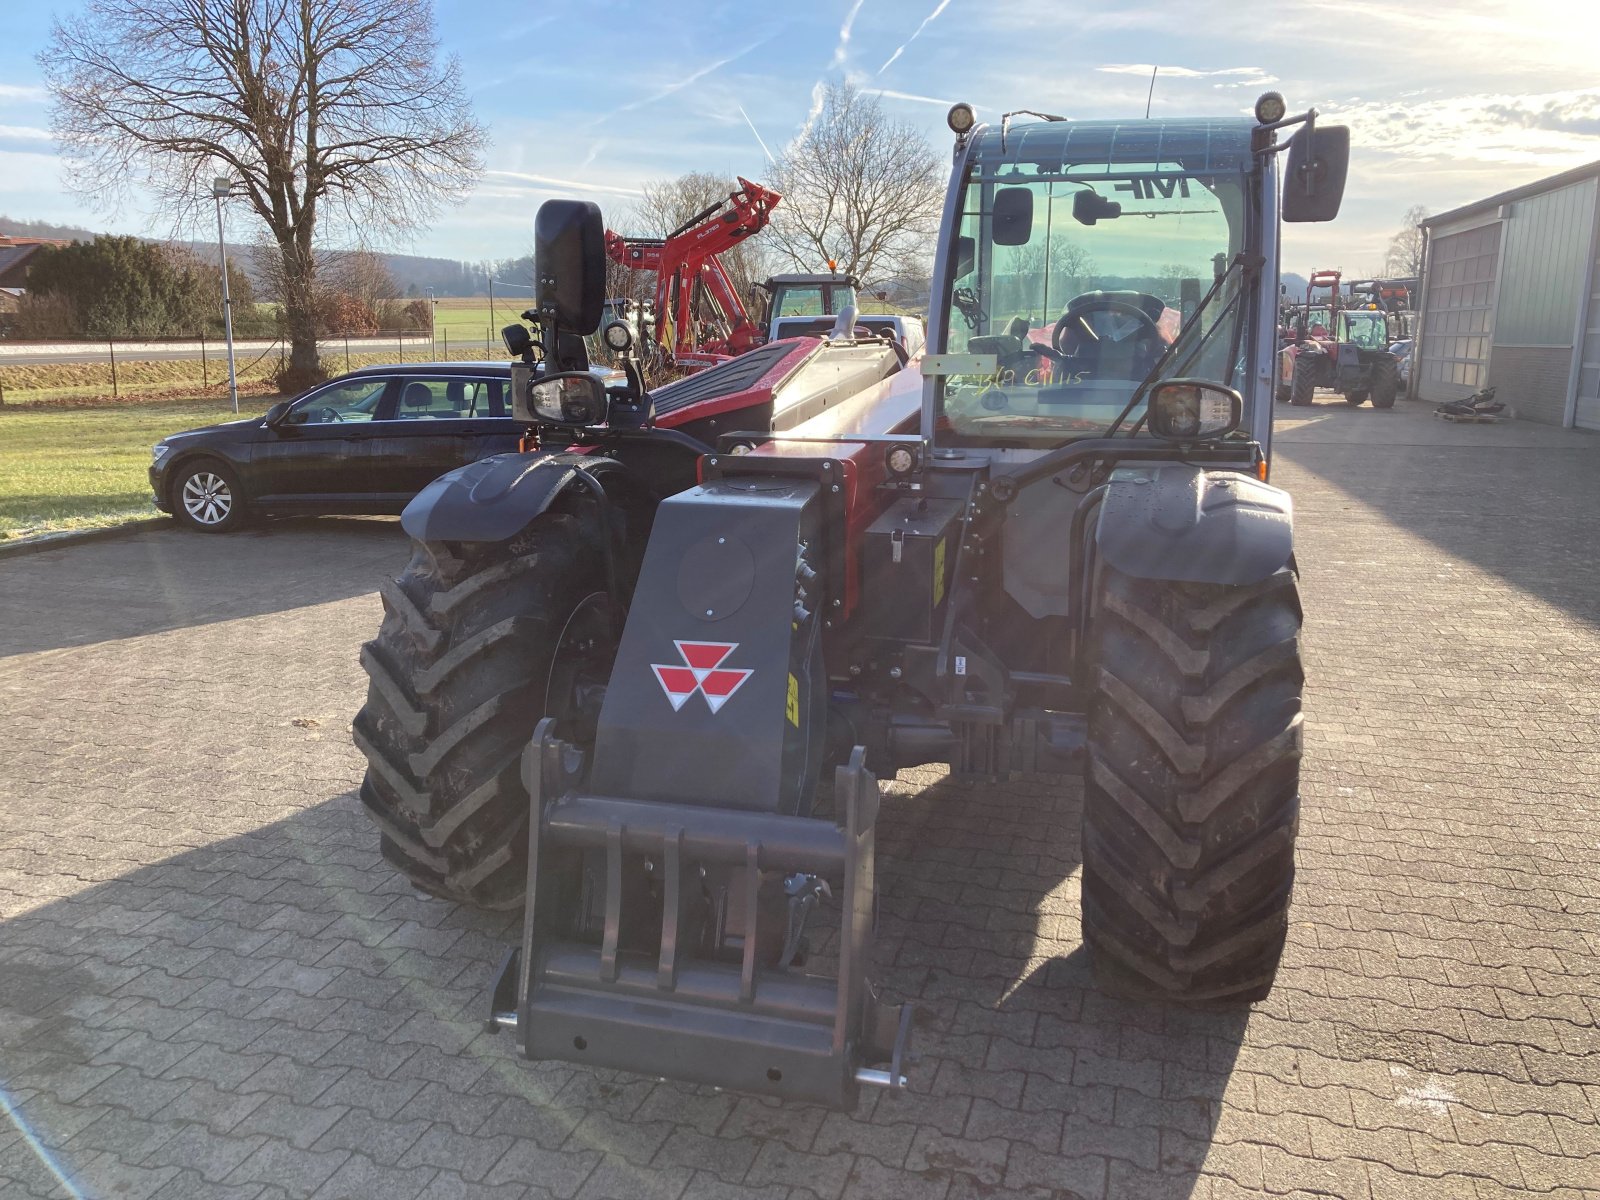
(1338, 344)
(641, 681)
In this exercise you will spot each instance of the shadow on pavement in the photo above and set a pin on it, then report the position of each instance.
(171, 578)
(1520, 502)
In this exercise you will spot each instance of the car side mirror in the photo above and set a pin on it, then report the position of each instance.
(571, 398)
(277, 412)
(1313, 186)
(569, 264)
(1193, 410)
(1013, 216)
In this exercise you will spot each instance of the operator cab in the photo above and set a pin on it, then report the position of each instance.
(1087, 260)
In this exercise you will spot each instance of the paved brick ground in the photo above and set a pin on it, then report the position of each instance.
(210, 986)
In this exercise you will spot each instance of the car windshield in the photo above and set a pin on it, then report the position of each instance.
(1076, 281)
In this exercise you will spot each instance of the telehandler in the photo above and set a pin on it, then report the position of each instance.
(641, 680)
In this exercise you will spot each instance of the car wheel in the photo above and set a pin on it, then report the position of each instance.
(205, 496)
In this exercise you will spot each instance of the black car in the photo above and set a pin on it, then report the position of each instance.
(366, 442)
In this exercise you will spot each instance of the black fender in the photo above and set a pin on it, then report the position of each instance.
(494, 498)
(1184, 524)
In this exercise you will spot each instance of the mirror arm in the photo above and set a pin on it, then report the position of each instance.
(1262, 141)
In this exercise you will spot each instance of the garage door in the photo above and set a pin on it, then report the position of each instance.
(1454, 357)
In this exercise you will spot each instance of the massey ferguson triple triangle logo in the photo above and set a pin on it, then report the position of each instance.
(702, 672)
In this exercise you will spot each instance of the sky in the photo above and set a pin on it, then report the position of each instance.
(1447, 103)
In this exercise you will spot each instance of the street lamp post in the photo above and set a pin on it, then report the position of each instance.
(221, 189)
(433, 332)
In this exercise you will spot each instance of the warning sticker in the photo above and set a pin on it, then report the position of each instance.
(792, 708)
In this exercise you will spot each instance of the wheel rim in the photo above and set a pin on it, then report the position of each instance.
(207, 498)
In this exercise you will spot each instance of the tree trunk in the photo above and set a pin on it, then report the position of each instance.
(300, 314)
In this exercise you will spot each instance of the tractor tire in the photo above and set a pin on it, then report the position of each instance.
(1303, 386)
(1385, 383)
(1281, 391)
(1356, 398)
(459, 676)
(1191, 797)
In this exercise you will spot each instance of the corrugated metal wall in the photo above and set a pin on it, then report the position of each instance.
(1587, 413)
(1545, 267)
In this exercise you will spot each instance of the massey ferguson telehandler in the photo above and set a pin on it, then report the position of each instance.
(642, 680)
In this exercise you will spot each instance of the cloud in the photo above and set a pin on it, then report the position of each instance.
(753, 130)
(916, 33)
(1178, 72)
(24, 133)
(19, 91)
(1548, 132)
(841, 49)
(594, 153)
(573, 185)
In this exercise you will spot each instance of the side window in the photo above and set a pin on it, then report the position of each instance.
(354, 400)
(451, 399)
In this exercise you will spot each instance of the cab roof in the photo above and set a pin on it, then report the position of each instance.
(1199, 144)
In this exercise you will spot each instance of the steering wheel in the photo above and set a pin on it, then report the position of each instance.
(329, 414)
(1064, 329)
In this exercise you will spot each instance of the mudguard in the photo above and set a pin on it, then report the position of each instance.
(1182, 523)
(494, 498)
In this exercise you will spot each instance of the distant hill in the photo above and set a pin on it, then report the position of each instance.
(413, 274)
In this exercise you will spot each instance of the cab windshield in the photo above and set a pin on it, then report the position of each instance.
(1367, 329)
(1075, 286)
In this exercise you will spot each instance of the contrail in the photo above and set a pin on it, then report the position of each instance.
(573, 184)
(686, 81)
(843, 46)
(926, 21)
(753, 130)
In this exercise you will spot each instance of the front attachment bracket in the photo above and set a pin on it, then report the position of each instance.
(745, 1022)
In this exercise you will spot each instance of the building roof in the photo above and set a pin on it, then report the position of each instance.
(12, 260)
(1536, 188)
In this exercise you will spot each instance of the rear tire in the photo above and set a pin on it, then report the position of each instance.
(1355, 398)
(460, 674)
(1303, 385)
(1385, 383)
(1191, 797)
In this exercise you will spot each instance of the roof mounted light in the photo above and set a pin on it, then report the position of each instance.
(961, 119)
(1270, 108)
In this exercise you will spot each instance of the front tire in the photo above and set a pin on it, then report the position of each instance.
(1385, 383)
(460, 674)
(1191, 799)
(1303, 385)
(205, 496)
(1355, 398)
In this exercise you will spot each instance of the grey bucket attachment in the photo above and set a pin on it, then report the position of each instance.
(746, 1025)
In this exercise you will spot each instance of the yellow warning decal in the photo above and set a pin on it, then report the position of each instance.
(938, 573)
(792, 709)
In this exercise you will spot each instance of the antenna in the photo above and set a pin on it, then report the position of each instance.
(1150, 95)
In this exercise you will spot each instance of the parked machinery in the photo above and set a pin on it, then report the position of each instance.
(1339, 344)
(642, 681)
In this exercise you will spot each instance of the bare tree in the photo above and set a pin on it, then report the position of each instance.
(860, 190)
(1404, 259)
(308, 105)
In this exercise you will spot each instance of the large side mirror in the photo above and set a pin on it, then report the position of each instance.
(1013, 216)
(1089, 206)
(1193, 410)
(569, 263)
(966, 256)
(277, 412)
(572, 398)
(1313, 185)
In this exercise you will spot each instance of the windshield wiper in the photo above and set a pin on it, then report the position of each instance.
(1247, 265)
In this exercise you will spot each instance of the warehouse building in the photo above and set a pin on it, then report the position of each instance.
(1511, 297)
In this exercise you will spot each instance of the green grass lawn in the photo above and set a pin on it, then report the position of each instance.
(81, 468)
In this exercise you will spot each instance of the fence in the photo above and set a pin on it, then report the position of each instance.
(126, 368)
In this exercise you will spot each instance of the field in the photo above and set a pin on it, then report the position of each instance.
(79, 468)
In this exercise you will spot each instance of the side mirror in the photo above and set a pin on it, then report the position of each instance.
(1089, 206)
(1013, 216)
(277, 412)
(1193, 410)
(574, 398)
(1313, 185)
(569, 264)
(966, 256)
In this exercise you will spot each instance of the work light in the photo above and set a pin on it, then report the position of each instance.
(1270, 108)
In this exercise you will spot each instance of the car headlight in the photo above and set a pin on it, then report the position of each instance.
(159, 451)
